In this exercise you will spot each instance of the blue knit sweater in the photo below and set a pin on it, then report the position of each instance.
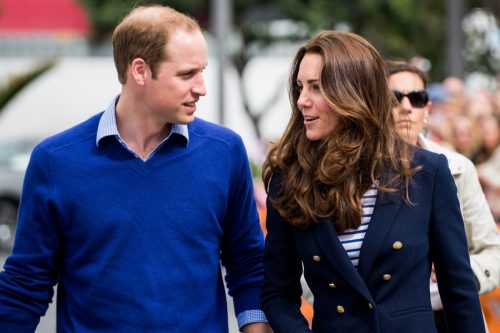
(134, 246)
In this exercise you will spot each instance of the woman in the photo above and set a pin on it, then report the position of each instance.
(489, 137)
(408, 84)
(362, 212)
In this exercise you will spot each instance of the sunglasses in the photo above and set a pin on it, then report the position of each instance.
(417, 98)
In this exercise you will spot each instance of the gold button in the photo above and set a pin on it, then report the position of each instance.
(316, 258)
(487, 273)
(387, 277)
(332, 285)
(340, 309)
(370, 305)
(397, 245)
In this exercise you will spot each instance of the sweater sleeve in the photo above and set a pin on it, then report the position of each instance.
(26, 284)
(243, 241)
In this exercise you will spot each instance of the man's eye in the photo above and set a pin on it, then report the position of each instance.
(187, 74)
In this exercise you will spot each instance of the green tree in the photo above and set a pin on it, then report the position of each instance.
(397, 28)
(104, 15)
(16, 82)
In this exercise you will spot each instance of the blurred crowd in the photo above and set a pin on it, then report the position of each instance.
(468, 121)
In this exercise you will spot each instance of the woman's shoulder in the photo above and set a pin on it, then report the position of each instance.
(275, 182)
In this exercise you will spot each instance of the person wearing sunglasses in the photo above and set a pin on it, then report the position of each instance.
(408, 85)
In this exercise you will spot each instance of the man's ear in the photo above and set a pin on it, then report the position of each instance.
(139, 71)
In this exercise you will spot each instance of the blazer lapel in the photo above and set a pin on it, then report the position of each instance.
(383, 217)
(328, 239)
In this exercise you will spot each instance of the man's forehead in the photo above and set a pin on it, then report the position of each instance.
(194, 62)
(188, 48)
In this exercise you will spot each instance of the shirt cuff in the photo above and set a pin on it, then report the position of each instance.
(251, 316)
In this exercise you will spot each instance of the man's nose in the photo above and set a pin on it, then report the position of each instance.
(199, 87)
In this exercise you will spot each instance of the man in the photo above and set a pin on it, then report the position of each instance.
(131, 211)
(408, 84)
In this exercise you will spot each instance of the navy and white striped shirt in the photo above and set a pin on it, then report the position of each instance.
(352, 239)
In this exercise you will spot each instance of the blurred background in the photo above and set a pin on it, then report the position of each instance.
(56, 70)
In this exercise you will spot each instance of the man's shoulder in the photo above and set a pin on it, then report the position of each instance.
(81, 132)
(211, 131)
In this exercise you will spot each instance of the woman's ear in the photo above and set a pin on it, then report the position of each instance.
(427, 113)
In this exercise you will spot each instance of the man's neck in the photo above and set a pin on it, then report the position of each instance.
(140, 130)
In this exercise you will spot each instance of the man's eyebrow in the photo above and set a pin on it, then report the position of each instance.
(188, 70)
(193, 69)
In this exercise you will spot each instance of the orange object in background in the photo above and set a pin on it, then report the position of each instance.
(262, 217)
(307, 310)
(491, 308)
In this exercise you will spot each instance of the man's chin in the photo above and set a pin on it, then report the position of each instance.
(186, 120)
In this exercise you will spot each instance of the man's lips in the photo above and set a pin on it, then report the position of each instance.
(190, 106)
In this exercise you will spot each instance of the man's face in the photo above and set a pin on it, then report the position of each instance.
(179, 83)
(410, 119)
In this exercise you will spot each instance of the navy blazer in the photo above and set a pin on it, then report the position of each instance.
(389, 292)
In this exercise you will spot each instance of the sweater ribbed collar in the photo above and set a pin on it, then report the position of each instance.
(107, 125)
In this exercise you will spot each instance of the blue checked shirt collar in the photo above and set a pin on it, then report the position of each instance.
(107, 127)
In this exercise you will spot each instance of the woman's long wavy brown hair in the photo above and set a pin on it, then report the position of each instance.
(327, 178)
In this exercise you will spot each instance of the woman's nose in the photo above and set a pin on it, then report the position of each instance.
(405, 104)
(303, 100)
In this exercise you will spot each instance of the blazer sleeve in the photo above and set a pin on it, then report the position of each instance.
(282, 271)
(448, 246)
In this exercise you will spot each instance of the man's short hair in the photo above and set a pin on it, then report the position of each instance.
(144, 33)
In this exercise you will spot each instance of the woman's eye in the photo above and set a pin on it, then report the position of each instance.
(316, 87)
(298, 89)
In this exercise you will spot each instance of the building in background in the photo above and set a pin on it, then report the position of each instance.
(43, 28)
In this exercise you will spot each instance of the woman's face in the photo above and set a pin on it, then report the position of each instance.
(490, 133)
(410, 120)
(319, 119)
